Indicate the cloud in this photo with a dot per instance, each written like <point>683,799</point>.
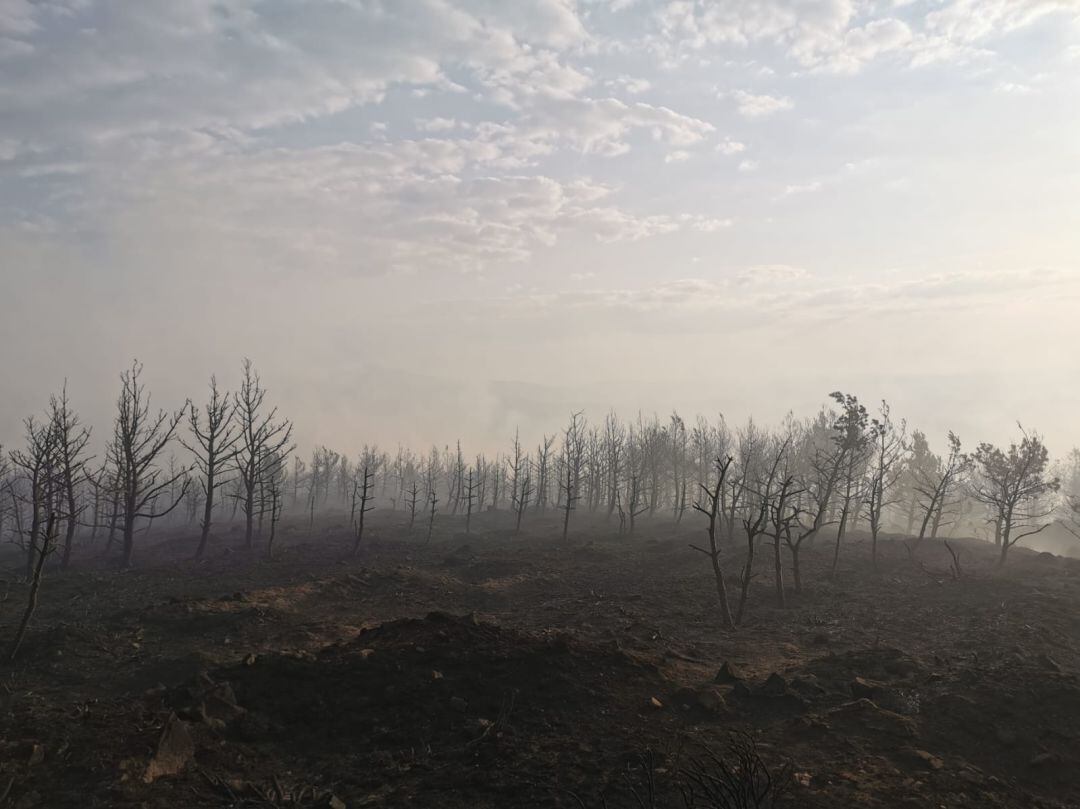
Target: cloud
<point>750,105</point>
<point>730,147</point>
<point>802,188</point>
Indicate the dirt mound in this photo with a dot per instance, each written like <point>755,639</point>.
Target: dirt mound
<point>420,706</point>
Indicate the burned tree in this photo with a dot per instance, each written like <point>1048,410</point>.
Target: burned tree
<point>524,494</point>
<point>261,437</point>
<point>783,516</point>
<point>757,523</point>
<point>139,437</point>
<point>711,510</point>
<point>1013,485</point>
<point>886,465</point>
<point>71,439</point>
<point>571,475</point>
<point>213,447</point>
<point>469,495</point>
<point>37,488</point>
<point>433,502</point>
<point>362,496</point>
<point>934,480</point>
<point>273,492</point>
<point>411,500</point>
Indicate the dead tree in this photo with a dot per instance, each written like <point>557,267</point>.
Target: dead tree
<point>414,495</point>
<point>750,441</point>
<point>886,465</point>
<point>711,510</point>
<point>261,437</point>
<point>1014,484</point>
<point>362,496</point>
<point>543,473</point>
<point>636,504</point>
<point>614,446</point>
<point>756,525</point>
<point>38,470</point>
<point>469,496</point>
<point>275,481</point>
<point>71,439</point>
<point>571,477</point>
<point>782,517</point>
<point>48,540</point>
<point>678,466</point>
<point>933,482</point>
<point>214,448</point>
<point>523,496</point>
<point>433,501</point>
<point>139,438</point>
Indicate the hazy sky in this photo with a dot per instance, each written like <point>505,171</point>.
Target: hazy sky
<point>432,218</point>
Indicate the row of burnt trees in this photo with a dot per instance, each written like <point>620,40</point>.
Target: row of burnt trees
<point>845,466</point>
<point>848,467</point>
<point>234,440</point>
<point>796,481</point>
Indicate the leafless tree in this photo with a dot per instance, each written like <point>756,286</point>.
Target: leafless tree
<point>934,481</point>
<point>411,500</point>
<point>433,502</point>
<point>711,510</point>
<point>262,437</point>
<point>139,437</point>
<point>470,498</point>
<point>571,476</point>
<point>71,439</point>
<point>783,517</point>
<point>362,497</point>
<point>755,525</point>
<point>275,480</point>
<point>889,446</point>
<point>213,447</point>
<point>524,494</point>
<point>543,472</point>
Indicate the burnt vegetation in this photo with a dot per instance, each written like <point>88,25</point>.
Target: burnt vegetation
<point>626,613</point>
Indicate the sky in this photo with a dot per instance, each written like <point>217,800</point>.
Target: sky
<point>431,219</point>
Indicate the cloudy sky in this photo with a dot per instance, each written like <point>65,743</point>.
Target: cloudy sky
<point>432,218</point>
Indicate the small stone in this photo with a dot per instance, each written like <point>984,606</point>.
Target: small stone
<point>436,675</point>
<point>775,686</point>
<point>711,700</point>
<point>728,674</point>
<point>931,761</point>
<point>863,689</point>
<point>249,659</point>
<point>655,703</point>
<point>37,755</point>
<point>175,748</point>
<point>366,654</point>
<point>1045,759</point>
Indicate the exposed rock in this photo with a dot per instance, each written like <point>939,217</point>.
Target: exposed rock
<point>175,749</point>
<point>37,755</point>
<point>862,715</point>
<point>929,759</point>
<point>1046,759</point>
<point>775,686</point>
<point>728,674</point>
<point>862,688</point>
